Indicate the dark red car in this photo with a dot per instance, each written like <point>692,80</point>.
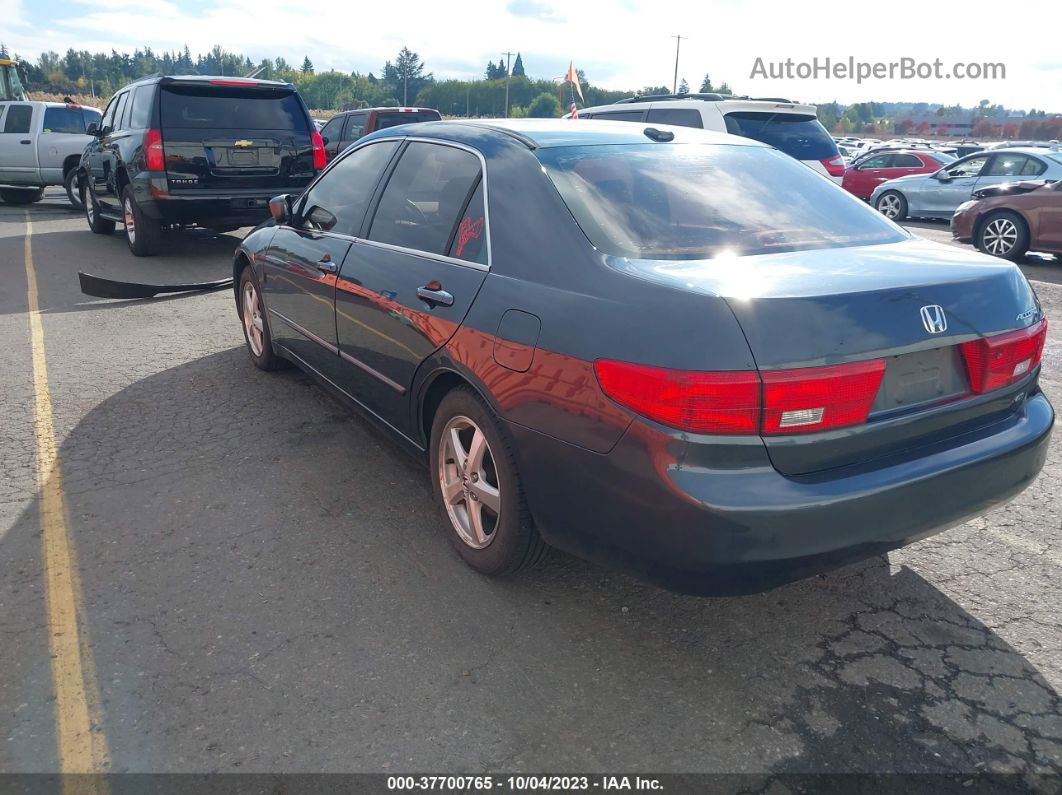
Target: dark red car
<point>862,179</point>
<point>343,129</point>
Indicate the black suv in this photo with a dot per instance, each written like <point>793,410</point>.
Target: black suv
<point>203,151</point>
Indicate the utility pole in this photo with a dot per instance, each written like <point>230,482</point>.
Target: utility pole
<point>678,43</point>
<point>405,87</point>
<point>468,100</point>
<point>508,76</point>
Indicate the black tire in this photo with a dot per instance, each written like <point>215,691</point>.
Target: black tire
<point>73,194</point>
<point>895,205</point>
<point>98,225</point>
<point>144,235</point>
<point>1003,234</point>
<point>514,543</point>
<point>21,195</point>
<point>266,358</point>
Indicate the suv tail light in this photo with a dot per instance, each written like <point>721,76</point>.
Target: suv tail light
<point>318,150</point>
<point>746,402</point>
<point>155,156</point>
<point>994,362</point>
<point>834,165</point>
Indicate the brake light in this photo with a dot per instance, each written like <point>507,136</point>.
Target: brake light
<point>153,151</point>
<point>994,362</point>
<point>819,398</point>
<point>318,149</point>
<point>834,165</point>
<point>721,403</point>
<point>773,402</point>
<point>236,82</point>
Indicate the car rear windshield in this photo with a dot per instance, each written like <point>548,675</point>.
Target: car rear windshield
<point>798,135</point>
<point>392,118</point>
<point>694,201</point>
<point>232,109</point>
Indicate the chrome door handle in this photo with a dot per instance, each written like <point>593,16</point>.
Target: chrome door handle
<point>439,296</point>
<point>325,265</point>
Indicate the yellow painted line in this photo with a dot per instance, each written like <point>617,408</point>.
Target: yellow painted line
<point>1038,550</point>
<point>81,743</point>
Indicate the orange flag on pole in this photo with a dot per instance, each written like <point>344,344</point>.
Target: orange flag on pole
<point>573,78</point>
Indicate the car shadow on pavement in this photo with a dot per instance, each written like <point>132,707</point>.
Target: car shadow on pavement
<point>268,587</point>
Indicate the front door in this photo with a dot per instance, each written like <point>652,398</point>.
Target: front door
<point>300,265</point>
<point>404,290</point>
<point>942,196</point>
<point>331,133</point>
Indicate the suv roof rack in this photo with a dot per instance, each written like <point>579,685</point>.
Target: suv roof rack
<point>704,97</point>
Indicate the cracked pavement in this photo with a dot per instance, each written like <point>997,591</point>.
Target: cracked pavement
<point>267,586</point>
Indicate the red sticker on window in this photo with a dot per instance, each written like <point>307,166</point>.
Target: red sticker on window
<point>466,231</point>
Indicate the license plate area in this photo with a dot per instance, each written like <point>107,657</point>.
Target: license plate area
<point>923,377</point>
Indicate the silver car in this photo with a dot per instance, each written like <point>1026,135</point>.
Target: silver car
<point>937,195</point>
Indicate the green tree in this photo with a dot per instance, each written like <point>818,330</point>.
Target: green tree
<point>724,89</point>
<point>706,85</point>
<point>518,67</point>
<point>544,106</point>
<point>307,65</point>
<point>3,50</point>
<point>406,75</point>
<point>684,87</point>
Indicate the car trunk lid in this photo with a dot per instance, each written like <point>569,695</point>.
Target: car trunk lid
<point>910,304</point>
<point>234,137</point>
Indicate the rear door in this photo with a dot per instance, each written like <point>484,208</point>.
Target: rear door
<point>405,289</point>
<point>300,264</point>
<point>224,137</point>
<point>18,155</point>
<point>1009,167</point>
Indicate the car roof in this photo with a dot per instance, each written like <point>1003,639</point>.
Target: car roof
<point>401,109</point>
<point>727,104</point>
<point>545,133</point>
<point>212,80</point>
<point>1024,150</point>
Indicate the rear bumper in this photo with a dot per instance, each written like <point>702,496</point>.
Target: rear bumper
<point>243,207</point>
<point>708,531</point>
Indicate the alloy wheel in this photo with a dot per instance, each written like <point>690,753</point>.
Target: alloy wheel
<point>1000,236</point>
<point>889,205</point>
<point>90,207</point>
<point>252,318</point>
<point>469,481</point>
<point>130,220</point>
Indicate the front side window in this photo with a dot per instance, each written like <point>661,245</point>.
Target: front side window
<point>108,114</point>
<point>425,197</point>
<point>967,168</point>
<point>333,129</point>
<point>685,201</point>
<point>18,119</point>
<point>355,127</point>
<point>338,201</point>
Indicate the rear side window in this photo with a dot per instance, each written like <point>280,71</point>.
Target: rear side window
<point>906,161</point>
<point>64,120</point>
<point>1033,168</point>
<point>1006,166</point>
<point>701,201</point>
<point>191,107</point>
<point>683,117</point>
<point>140,115</point>
<point>426,195</point>
<point>798,135</point>
<point>621,115</point>
<point>338,201</point>
<point>18,118</point>
<point>392,118</point>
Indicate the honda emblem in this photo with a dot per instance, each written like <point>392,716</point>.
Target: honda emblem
<point>933,319</point>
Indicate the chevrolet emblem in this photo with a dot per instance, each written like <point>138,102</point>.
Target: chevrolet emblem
<point>243,143</point>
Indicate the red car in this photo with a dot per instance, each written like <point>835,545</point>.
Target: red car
<point>862,179</point>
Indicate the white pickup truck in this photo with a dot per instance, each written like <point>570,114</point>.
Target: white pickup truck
<point>40,145</point>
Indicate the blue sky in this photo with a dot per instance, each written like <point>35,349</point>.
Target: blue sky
<point>619,43</point>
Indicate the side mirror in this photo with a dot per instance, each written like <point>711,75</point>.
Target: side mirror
<point>280,208</point>
<point>92,128</point>
<point>942,176</point>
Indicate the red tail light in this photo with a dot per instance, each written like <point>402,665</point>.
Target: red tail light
<point>156,157</point>
<point>790,401</point>
<point>834,166</point>
<point>722,403</point>
<point>994,362</point>
<point>819,398</point>
<point>318,149</point>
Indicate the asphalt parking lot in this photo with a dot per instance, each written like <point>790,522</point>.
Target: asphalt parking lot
<point>263,583</point>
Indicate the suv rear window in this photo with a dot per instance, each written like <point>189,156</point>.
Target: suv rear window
<point>197,107</point>
<point>691,201</point>
<point>798,135</point>
<point>389,118</point>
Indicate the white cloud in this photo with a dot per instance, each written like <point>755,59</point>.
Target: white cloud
<point>621,45</point>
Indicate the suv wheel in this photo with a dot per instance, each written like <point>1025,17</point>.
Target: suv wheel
<point>1004,234</point>
<point>892,205</point>
<point>143,235</point>
<point>100,226</point>
<point>476,483</point>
